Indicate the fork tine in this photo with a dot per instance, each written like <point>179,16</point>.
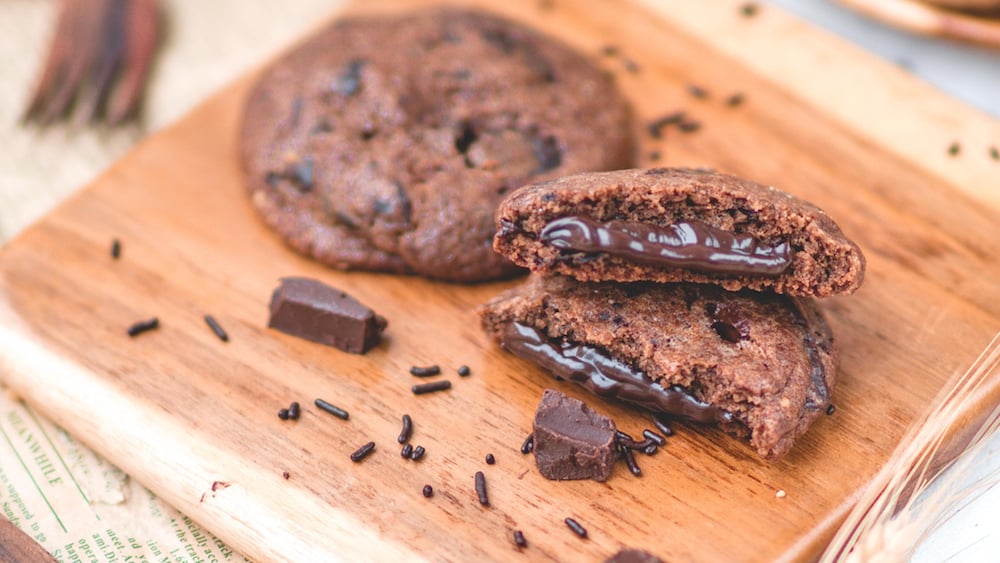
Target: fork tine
<point>86,38</point>
<point>141,38</point>
<point>110,55</point>
<point>54,68</point>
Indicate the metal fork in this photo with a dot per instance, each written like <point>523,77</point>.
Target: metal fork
<point>97,62</point>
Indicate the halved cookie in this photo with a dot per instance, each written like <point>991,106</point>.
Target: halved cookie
<point>759,365</point>
<point>677,224</point>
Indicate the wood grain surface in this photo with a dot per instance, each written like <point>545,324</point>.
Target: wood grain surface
<point>195,419</point>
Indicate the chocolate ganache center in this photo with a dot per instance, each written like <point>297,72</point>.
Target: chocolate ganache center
<point>689,244</point>
<point>605,376</point>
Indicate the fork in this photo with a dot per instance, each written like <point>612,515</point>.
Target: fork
<point>98,62</point>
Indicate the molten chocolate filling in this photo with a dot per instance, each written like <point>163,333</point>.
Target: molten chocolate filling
<point>689,244</point>
<point>605,376</point>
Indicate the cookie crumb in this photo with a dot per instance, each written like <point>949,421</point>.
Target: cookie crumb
<point>780,493</point>
<point>285,475</point>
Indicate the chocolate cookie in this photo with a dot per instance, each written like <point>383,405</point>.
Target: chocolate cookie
<point>758,365</point>
<point>677,224</point>
<point>386,143</point>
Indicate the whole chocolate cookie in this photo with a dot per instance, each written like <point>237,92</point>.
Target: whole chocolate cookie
<point>677,224</point>
<point>385,143</point>
<point>758,365</point>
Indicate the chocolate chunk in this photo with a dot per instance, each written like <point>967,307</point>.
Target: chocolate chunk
<point>348,83</point>
<point>572,441</point>
<point>314,311</point>
<point>633,556</point>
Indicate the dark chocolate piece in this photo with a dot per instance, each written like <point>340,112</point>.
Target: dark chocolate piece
<point>407,429</point>
<point>314,311</point>
<point>143,326</point>
<point>576,527</point>
<point>633,556</point>
<point>426,371</point>
<point>363,452</point>
<point>116,249</point>
<point>572,441</point>
<point>464,371</point>
<point>332,409</point>
<point>606,376</point>
<point>431,387</point>
<point>519,539</point>
<point>428,491</point>
<point>216,328</point>
<point>484,499</point>
<point>689,244</point>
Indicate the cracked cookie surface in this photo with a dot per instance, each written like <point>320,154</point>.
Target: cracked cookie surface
<point>385,143</point>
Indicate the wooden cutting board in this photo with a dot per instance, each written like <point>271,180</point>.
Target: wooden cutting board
<point>195,419</point>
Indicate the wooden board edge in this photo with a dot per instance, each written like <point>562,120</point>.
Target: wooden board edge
<point>888,106</point>
<point>207,493</point>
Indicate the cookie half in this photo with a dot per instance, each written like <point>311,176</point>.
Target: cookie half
<point>385,143</point>
<point>759,365</point>
<point>677,224</point>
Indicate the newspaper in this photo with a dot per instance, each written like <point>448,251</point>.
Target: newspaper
<point>81,508</point>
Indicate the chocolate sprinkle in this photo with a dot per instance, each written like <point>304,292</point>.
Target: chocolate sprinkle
<point>143,326</point>
<point>116,248</point>
<point>689,126</point>
<point>283,414</point>
<point>655,127</point>
<point>407,430</point>
<point>490,460</point>
<point>427,371</point>
<point>519,539</point>
<point>994,153</point>
<point>285,475</point>
<point>697,91</point>
<point>216,328</point>
<point>464,371</point>
<point>954,149</point>
<point>431,387</point>
<point>630,462</point>
<point>294,410</point>
<point>363,452</point>
<point>332,409</point>
<point>418,452</point>
<point>650,449</point>
<point>529,444</point>
<point>663,426</point>
<point>609,50</point>
<point>656,438</point>
<point>735,100</point>
<point>749,9</point>
<point>484,499</point>
<point>830,409</point>
<point>576,527</point>
<point>630,65</point>
<point>428,491</point>
<point>406,451</point>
